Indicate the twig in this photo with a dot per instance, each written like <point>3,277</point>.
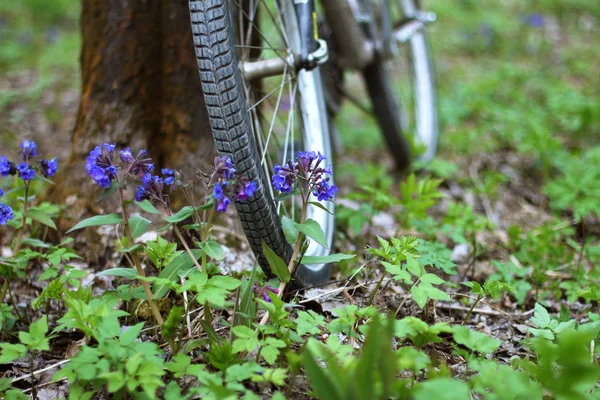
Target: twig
<point>34,373</point>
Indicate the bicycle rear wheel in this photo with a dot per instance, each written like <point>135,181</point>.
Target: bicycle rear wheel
<point>260,123</point>
<point>402,90</point>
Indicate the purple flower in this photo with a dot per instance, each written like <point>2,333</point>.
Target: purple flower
<point>142,164</point>
<point>218,191</point>
<point>6,213</point>
<point>222,204</point>
<point>224,168</point>
<point>264,292</point>
<point>126,155</point>
<point>28,149</point>
<point>110,148</point>
<point>49,167</point>
<point>141,193</point>
<point>25,171</point>
<point>283,177</point>
<point>246,191</point>
<point>100,167</point>
<point>1,192</point>
<point>324,191</point>
<point>168,176</point>
<point>535,19</point>
<point>6,167</point>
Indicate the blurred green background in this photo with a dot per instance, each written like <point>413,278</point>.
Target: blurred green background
<point>511,74</point>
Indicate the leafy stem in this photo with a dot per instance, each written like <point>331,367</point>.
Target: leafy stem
<point>136,261</point>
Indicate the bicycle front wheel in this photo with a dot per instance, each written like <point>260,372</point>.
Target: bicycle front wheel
<point>262,122</point>
<point>401,88</point>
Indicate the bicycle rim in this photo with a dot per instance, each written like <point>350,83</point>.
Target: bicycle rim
<point>287,112</point>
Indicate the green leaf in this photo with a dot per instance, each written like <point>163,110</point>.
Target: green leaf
<point>327,259</point>
<point>212,249</point>
<point>138,225</point>
<point>321,383</point>
<point>289,229</point>
<point>540,318</point>
<point>475,341</point>
<point>181,265</point>
<point>36,243</point>
<point>182,214</point>
<point>11,352</point>
<point>319,205</point>
<point>36,338</point>
<point>278,266</point>
<point>312,229</point>
<point>129,273</point>
<point>131,334</point>
<point>41,217</point>
<point>147,206</point>
<point>308,322</point>
<point>442,388</point>
<point>109,219</point>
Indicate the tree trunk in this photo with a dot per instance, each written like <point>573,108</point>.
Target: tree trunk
<point>140,88</point>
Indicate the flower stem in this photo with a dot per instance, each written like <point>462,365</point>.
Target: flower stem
<point>23,221</point>
<point>137,263</point>
<point>5,288</point>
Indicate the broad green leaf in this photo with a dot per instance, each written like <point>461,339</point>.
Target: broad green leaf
<point>212,249</point>
<point>11,352</point>
<point>278,266</point>
<point>289,229</point>
<point>109,219</point>
<point>442,388</point>
<point>129,273</point>
<point>327,259</point>
<point>540,318</point>
<point>181,265</point>
<point>41,217</point>
<point>308,322</point>
<point>475,341</point>
<point>182,214</point>
<point>312,229</point>
<point>147,206</point>
<point>138,225</point>
<point>36,338</point>
<point>244,332</point>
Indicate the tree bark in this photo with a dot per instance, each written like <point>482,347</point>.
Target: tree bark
<point>140,88</point>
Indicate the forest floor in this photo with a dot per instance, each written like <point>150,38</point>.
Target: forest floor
<point>514,195</point>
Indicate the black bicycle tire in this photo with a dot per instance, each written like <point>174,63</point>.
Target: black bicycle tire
<point>386,108</point>
<point>222,87</point>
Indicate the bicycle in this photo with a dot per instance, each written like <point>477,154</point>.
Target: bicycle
<point>259,65</point>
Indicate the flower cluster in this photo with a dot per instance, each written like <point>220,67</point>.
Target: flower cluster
<point>536,20</point>
<point>228,184</point>
<point>100,164</point>
<point>6,212</point>
<point>264,292</point>
<point>307,172</point>
<point>26,170</point>
<point>103,166</point>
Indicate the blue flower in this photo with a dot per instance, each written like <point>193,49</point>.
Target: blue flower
<point>247,190</point>
<point>141,193</point>
<point>6,213</point>
<point>169,176</point>
<point>126,156</point>
<point>324,191</point>
<point>283,177</point>
<point>1,192</point>
<point>222,204</point>
<point>49,167</point>
<point>29,149</point>
<point>142,164</point>
<point>218,191</point>
<point>224,168</point>
<point>25,171</point>
<point>100,167</point>
<point>536,20</point>
<point>110,147</point>
<point>5,167</point>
